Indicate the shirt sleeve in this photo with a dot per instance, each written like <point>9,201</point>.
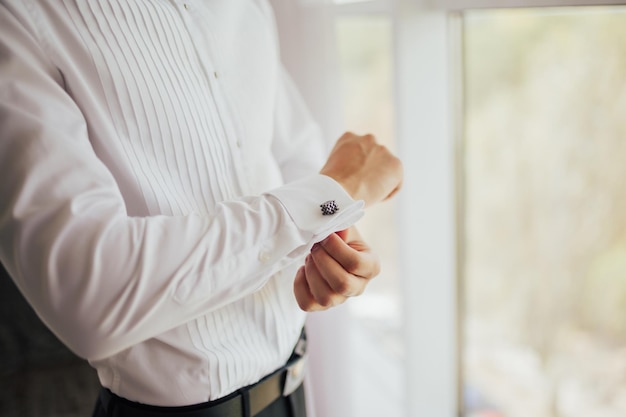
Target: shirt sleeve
<point>100,279</point>
<point>298,145</point>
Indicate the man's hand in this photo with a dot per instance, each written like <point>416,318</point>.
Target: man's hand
<point>338,267</point>
<point>364,168</point>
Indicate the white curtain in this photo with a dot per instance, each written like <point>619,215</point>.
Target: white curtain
<point>306,30</point>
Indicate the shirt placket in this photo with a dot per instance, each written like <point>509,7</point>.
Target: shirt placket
<point>204,45</point>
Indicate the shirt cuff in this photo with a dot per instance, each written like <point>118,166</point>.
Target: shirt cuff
<point>302,199</point>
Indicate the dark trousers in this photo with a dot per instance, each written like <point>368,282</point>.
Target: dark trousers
<point>291,406</point>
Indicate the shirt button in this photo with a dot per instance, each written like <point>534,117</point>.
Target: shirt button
<point>238,143</point>
<point>215,75</point>
<point>186,6</point>
<point>264,257</point>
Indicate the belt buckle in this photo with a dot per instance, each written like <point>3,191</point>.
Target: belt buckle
<point>295,376</point>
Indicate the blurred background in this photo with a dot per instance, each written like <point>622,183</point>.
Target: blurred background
<point>503,290</point>
<point>544,326</point>
<point>541,204</point>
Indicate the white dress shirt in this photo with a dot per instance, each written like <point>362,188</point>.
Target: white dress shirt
<point>158,188</point>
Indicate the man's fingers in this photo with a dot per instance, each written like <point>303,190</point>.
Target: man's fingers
<point>312,292</point>
<point>337,268</point>
<point>335,275</point>
<point>319,286</point>
<point>394,192</point>
<point>355,257</point>
<point>303,295</point>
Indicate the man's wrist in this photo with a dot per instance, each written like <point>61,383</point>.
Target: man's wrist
<point>351,188</point>
<point>302,199</point>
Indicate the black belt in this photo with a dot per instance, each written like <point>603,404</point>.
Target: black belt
<point>248,401</point>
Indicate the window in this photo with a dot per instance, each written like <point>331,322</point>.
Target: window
<point>544,277</point>
<point>511,250</point>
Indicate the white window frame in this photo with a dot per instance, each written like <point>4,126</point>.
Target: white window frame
<point>427,209</point>
<point>428,99</point>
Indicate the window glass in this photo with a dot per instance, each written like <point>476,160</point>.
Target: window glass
<point>544,223</point>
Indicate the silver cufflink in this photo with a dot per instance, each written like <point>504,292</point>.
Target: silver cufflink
<point>330,207</point>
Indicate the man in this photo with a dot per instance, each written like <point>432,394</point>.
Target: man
<point>162,206</point>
